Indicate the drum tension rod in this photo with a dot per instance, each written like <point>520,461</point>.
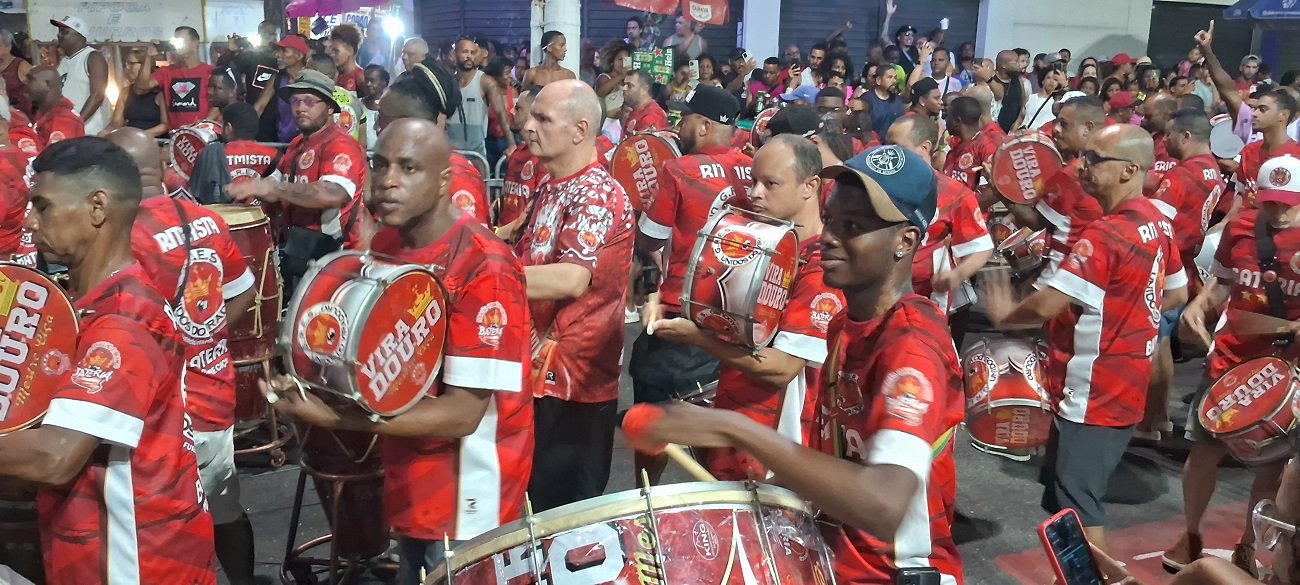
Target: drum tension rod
<point>534,547</point>
<point>654,528</point>
<point>446,556</point>
<point>761,514</point>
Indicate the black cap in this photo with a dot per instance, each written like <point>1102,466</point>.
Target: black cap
<point>737,53</point>
<point>905,28</point>
<point>800,119</point>
<point>926,85</point>
<point>710,101</point>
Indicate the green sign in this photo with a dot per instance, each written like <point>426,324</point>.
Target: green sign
<point>659,63</point>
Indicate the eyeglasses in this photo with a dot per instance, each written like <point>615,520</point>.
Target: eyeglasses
<point>304,100</point>
<point>1092,157</point>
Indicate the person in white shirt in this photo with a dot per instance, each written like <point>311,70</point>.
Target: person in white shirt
<point>85,74</point>
<point>1038,110</point>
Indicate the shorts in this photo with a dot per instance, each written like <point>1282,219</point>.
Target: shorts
<point>1080,460</point>
<point>216,454</point>
<point>1169,322</point>
<point>662,370</point>
<point>1194,431</point>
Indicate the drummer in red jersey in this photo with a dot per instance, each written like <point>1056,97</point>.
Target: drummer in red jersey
<point>711,175</point>
<point>1270,116</point>
<point>1157,110</point>
<point>957,243</point>
<point>577,251</point>
<point>1240,286</point>
<point>1104,303</point>
<point>977,139</point>
<point>57,119</point>
<point>187,252</point>
<point>777,385</point>
<point>646,115</point>
<point>120,492</point>
<point>245,157</point>
<point>881,470</point>
<point>523,172</point>
<point>457,463</point>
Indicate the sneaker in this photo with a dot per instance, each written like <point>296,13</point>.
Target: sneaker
<point>1146,436</point>
<point>631,316</point>
<point>1186,550</point>
<point>1243,557</point>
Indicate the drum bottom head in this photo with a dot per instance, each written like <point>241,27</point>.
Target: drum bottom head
<point>1016,429</point>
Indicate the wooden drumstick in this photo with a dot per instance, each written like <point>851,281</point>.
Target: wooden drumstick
<point>684,459</point>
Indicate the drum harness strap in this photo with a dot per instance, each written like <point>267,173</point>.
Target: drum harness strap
<point>1266,248</point>
<point>179,297</point>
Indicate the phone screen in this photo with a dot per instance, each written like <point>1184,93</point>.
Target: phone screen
<point>1063,536</point>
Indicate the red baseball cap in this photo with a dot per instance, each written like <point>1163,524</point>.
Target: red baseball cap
<point>1122,100</point>
<point>1279,181</point>
<point>294,42</point>
<point>1122,59</point>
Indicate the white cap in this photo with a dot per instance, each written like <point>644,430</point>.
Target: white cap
<point>1069,95</point>
<point>1279,181</point>
<point>73,23</point>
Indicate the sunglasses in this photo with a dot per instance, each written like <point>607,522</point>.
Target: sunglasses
<point>1092,157</point>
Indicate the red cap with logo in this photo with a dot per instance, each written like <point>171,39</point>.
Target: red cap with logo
<point>294,42</point>
<point>1122,59</point>
<point>1279,181</point>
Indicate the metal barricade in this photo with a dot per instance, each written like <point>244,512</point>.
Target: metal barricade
<point>491,180</point>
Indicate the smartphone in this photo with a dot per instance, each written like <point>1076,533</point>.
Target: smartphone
<point>746,57</point>
<point>918,576</point>
<point>695,68</point>
<point>627,62</point>
<point>1067,548</point>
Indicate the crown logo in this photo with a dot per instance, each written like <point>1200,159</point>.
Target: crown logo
<point>99,360</point>
<point>422,301</point>
<point>8,291</point>
<point>197,289</point>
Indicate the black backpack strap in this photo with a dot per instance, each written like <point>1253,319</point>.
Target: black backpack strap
<point>1266,248</point>
<point>185,266</point>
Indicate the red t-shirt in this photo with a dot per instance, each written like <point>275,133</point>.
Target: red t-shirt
<point>1162,165</point>
<point>247,160</point>
<point>647,117</point>
<point>1069,209</point>
<point>967,158</point>
<point>329,155</point>
<point>60,122</point>
<point>353,81</point>
<point>893,396</point>
<point>583,219</point>
<point>22,136</point>
<point>13,201</point>
<point>958,230</point>
<point>691,190</point>
<point>216,272</point>
<point>1116,273</point>
<point>464,487</point>
<point>523,171</point>
<point>1236,264</point>
<point>604,150</point>
<point>136,510</point>
<point>468,191</point>
<point>1253,157</point>
<point>1187,196</point>
<point>185,93</point>
<point>802,334</point>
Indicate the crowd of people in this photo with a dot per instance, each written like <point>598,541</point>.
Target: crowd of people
<point>886,174</point>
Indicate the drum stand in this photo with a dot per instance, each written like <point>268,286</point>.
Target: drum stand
<point>280,435</point>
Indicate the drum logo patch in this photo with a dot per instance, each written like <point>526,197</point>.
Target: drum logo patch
<point>55,363</point>
<point>735,246</point>
<point>705,539</point>
<point>99,364</point>
<point>491,323</point>
<point>908,395</point>
<point>824,307</point>
<point>1239,392</point>
<point>321,333</point>
<point>981,376</point>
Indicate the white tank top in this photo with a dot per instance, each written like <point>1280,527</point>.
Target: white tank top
<point>467,128</point>
<point>76,87</point>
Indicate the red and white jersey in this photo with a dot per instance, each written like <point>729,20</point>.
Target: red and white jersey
<point>645,118</point>
<point>691,190</point>
<point>328,155</point>
<point>802,334</point>
<point>136,511</point>
<point>23,136</point>
<point>1236,265</point>
<point>1101,352</point>
<point>14,198</point>
<point>1187,195</point>
<point>1163,162</point>
<point>583,219</point>
<point>60,122</point>
<point>468,191</point>
<point>967,159</point>
<point>247,160</point>
<point>523,171</point>
<point>202,269</point>
<point>1253,157</point>
<point>893,395</point>
<point>1069,209</point>
<point>958,230</point>
<point>464,487</point>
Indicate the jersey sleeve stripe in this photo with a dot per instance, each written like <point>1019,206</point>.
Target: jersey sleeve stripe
<point>1168,210</point>
<point>238,286</point>
<point>96,420</point>
<point>1061,222</point>
<point>1176,280</point>
<point>983,243</point>
<point>654,230</point>
<point>893,447</point>
<point>1223,272</point>
<point>805,347</point>
<point>344,182</point>
<point>483,373</point>
<point>1085,292</point>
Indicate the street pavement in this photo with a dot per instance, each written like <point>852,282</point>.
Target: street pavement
<point>997,500</point>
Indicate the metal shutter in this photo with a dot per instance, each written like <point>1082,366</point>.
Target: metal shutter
<point>1173,24</point>
<point>805,22</point>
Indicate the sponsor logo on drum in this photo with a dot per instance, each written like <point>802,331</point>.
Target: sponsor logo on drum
<point>775,290</point>
<point>186,147</point>
<point>705,540</point>
<point>97,366</point>
<point>824,307</point>
<point>321,334</point>
<point>1013,426</point>
<point>1242,394</point>
<point>1025,165</point>
<point>645,173</point>
<point>907,395</point>
<point>386,361</point>
<point>491,323</point>
<point>24,328</point>
<point>982,375</point>
<point>55,363</point>
<point>735,245</point>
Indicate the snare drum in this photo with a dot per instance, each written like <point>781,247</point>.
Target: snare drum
<point>367,329</point>
<point>1251,410</point>
<point>637,162</point>
<point>1008,407</point>
<point>252,337</point>
<point>188,142</point>
<point>720,532</point>
<point>1224,143</point>
<point>1024,251</point>
<point>38,327</point>
<point>759,135</point>
<point>739,277</point>
<point>1024,162</point>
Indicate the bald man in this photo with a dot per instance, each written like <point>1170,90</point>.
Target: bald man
<point>187,251</point>
<point>414,52</point>
<point>1124,270</point>
<point>1156,112</point>
<point>56,118</point>
<point>577,252</point>
<point>450,467</point>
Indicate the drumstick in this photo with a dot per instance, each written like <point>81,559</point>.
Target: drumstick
<point>688,463</point>
<point>636,423</point>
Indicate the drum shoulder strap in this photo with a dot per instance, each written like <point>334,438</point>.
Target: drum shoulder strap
<point>1266,248</point>
<point>178,296</point>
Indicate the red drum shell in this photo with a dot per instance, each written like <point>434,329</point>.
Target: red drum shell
<point>1024,162</point>
<point>759,134</point>
<point>252,339</point>
<point>1008,407</point>
<point>38,318</point>
<point>1025,251</point>
<point>637,162</point>
<point>188,142</point>
<point>1250,410</point>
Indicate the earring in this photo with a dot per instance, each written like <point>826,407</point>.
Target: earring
<point>898,255</point>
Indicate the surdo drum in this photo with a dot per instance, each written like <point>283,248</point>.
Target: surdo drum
<point>1251,410</point>
<point>188,142</point>
<point>759,135</point>
<point>1024,162</point>
<point>722,532</point>
<point>739,277</point>
<point>637,162</point>
<point>38,339</point>
<point>1008,407</point>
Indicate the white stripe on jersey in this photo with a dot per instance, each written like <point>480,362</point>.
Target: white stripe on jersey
<point>1078,371</point>
<point>478,481</point>
<point>123,558</point>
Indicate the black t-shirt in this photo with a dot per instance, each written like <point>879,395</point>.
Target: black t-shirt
<point>256,69</point>
<point>883,112</point>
